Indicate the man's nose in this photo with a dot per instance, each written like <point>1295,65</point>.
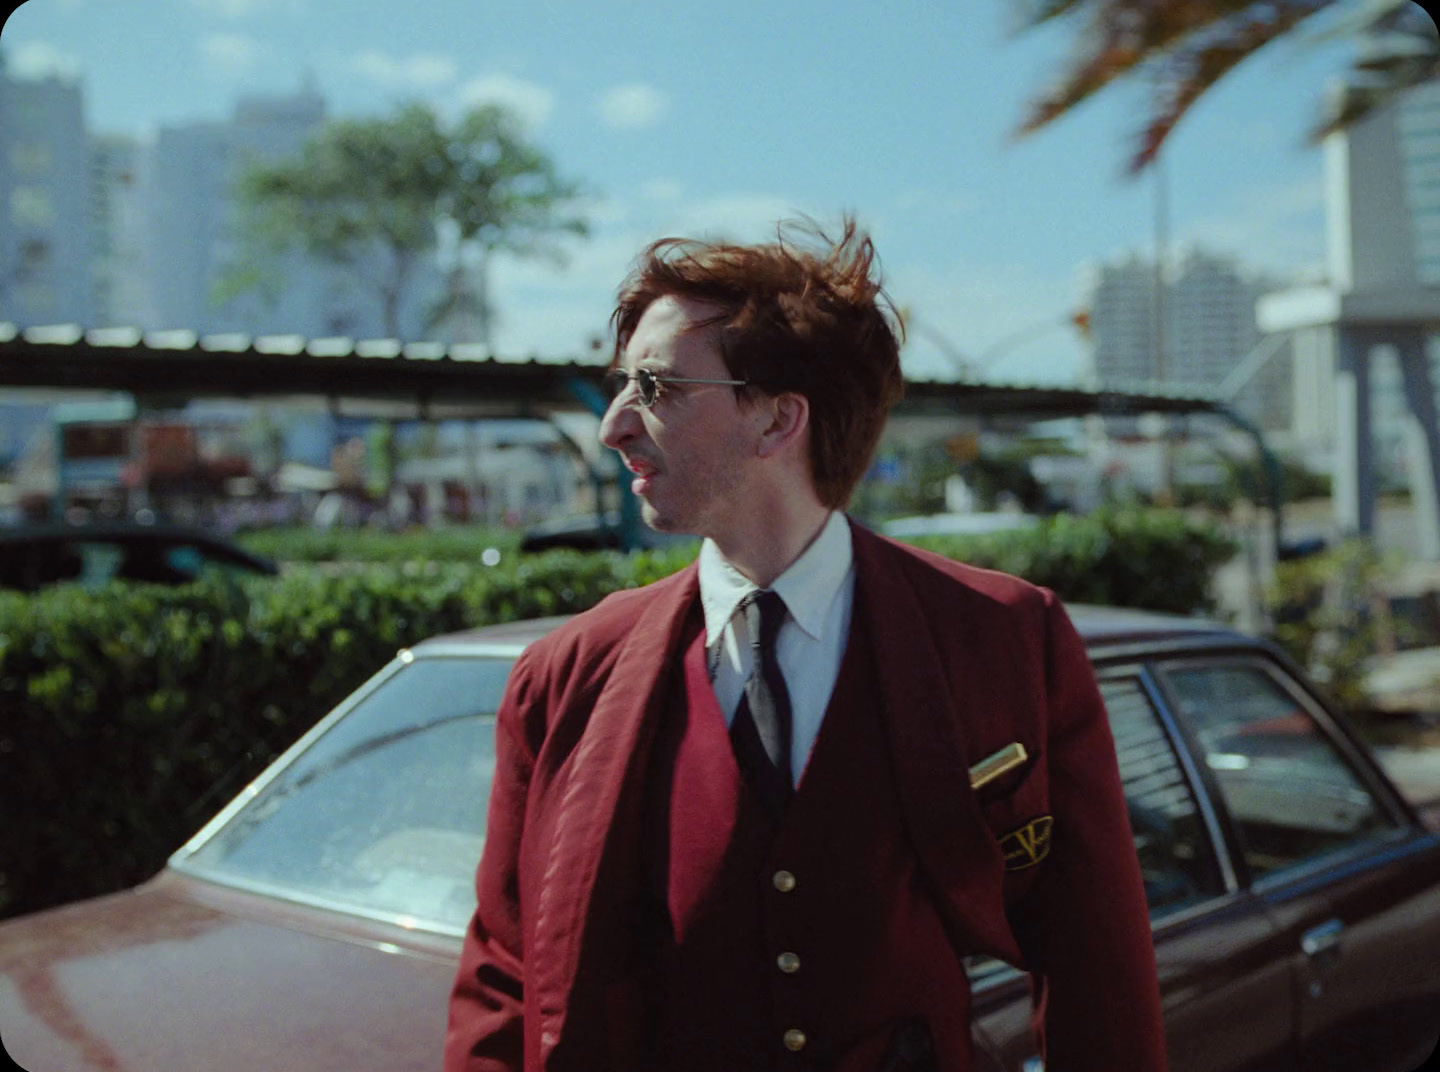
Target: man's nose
<point>621,421</point>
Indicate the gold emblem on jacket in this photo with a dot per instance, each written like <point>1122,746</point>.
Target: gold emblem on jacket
<point>1027,846</point>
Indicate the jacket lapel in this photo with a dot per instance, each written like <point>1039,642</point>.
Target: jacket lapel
<point>598,809</point>
<point>926,722</point>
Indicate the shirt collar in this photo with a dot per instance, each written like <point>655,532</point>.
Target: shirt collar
<point>807,587</point>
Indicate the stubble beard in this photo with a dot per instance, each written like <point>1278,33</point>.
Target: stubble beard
<point>711,501</point>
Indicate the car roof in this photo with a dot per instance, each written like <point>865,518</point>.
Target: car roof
<point>1103,628</point>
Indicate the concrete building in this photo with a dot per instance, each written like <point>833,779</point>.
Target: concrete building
<point>46,203</point>
<point>191,221</point>
<point>121,296</point>
<point>1369,331</point>
<point>193,234</point>
<point>1208,303</point>
<point>1121,298</point>
<point>184,192</point>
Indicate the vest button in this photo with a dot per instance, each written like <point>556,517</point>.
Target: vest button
<point>784,881</point>
<point>795,1040</point>
<point>789,963</point>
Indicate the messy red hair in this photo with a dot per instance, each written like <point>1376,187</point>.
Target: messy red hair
<point>809,317</point>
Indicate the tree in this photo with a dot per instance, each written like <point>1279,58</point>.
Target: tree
<point>1186,46</point>
<point>375,196</point>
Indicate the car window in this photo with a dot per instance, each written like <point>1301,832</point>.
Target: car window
<point>384,813</point>
<point>1177,857</point>
<point>1291,794</point>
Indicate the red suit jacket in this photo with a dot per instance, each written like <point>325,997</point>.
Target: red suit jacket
<point>970,661</point>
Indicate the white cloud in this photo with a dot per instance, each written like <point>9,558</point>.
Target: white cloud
<point>36,59</point>
<point>230,54</point>
<point>420,70</point>
<point>531,102</point>
<point>631,106</point>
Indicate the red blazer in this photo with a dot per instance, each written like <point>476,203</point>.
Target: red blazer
<point>970,661</point>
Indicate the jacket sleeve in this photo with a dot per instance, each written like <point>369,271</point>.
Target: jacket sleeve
<point>486,1027</point>
<point>1084,925</point>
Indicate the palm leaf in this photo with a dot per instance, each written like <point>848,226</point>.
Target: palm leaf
<point>1187,44</point>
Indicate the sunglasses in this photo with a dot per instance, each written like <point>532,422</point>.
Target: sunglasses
<point>648,384</point>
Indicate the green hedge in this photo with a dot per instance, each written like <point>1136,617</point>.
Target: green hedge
<point>129,715</point>
<point>1160,560</point>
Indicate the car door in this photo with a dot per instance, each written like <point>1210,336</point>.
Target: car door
<point>1350,879</point>
<point>1224,977</point>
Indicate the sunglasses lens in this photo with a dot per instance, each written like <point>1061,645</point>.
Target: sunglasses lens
<point>647,387</point>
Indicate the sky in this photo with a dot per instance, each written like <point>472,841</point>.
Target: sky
<point>719,119</point>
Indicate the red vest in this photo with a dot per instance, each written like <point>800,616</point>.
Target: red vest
<point>816,934</point>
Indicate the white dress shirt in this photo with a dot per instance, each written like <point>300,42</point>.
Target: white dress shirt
<point>819,594</point>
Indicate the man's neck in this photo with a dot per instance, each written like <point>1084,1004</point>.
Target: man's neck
<point>765,551</point>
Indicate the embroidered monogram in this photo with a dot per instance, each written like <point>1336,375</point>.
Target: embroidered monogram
<point>1027,846</point>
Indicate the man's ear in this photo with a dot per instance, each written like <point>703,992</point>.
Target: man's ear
<point>788,421</point>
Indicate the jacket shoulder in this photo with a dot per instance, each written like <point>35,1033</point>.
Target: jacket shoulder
<point>591,638</point>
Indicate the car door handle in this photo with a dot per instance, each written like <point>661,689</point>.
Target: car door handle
<point>1320,939</point>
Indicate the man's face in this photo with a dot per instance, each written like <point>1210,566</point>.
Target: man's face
<point>692,451</point>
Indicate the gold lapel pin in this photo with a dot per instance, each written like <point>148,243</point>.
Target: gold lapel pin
<point>1002,762</point>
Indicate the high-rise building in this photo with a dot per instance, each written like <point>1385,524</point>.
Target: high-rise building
<point>194,234</point>
<point>1121,298</point>
<point>46,203</point>
<point>185,194</point>
<point>1212,320</point>
<point>121,296</point>
<point>1208,304</point>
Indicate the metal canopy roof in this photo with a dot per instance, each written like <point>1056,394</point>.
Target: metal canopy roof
<point>181,363</point>
<point>388,378</point>
<point>440,380</point>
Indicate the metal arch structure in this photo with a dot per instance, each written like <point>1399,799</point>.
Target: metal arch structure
<point>387,378</point>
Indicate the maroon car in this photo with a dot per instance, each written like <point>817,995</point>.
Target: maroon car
<point>315,923</point>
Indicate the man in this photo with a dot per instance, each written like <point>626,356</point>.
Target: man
<point>732,825</point>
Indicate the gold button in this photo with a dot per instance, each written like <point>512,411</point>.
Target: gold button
<point>789,963</point>
<point>784,881</point>
<point>795,1040</point>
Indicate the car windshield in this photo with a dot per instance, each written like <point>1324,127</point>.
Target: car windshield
<point>384,813</point>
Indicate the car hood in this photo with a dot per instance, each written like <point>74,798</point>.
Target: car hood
<point>180,974</point>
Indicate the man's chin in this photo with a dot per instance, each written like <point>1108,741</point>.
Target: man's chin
<point>661,522</point>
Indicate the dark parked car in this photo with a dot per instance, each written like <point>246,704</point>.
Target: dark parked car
<point>34,556</point>
<point>314,924</point>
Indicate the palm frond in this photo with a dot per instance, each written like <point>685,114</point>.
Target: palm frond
<point>1181,40</point>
